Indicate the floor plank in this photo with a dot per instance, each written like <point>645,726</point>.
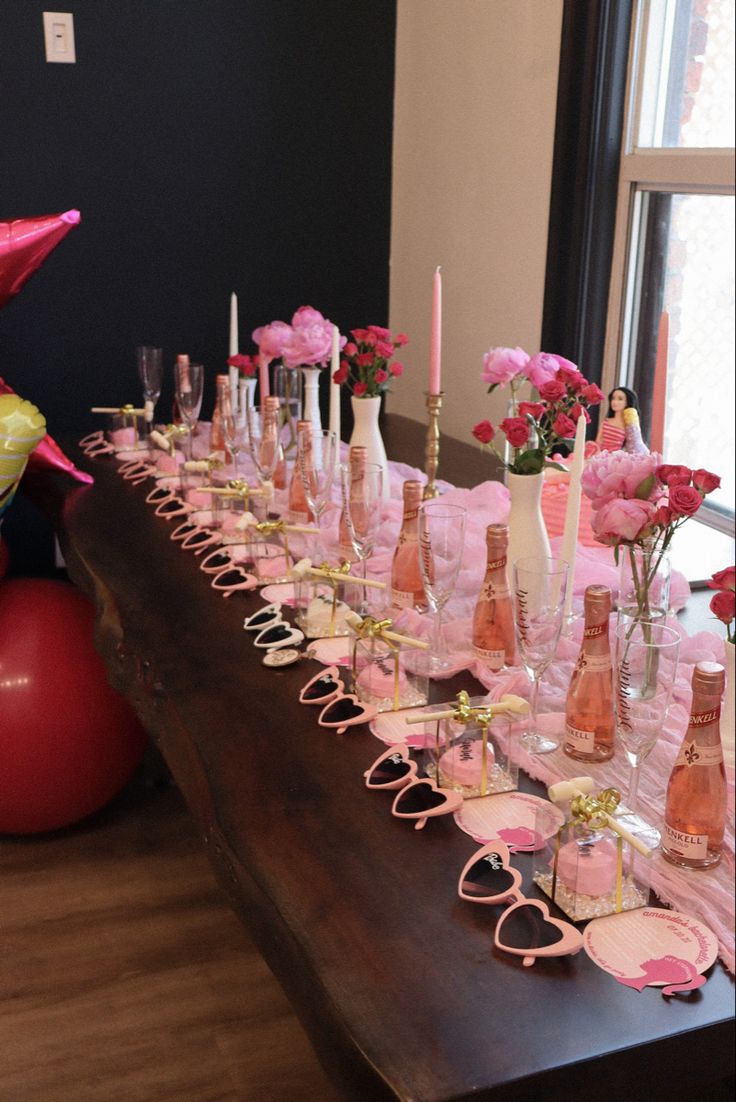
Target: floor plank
<point>125,975</point>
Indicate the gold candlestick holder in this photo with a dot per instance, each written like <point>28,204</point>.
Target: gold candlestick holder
<point>432,446</point>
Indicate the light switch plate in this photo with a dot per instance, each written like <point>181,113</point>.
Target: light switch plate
<point>58,33</point>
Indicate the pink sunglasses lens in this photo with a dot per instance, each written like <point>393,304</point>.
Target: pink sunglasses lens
<point>419,797</point>
<point>389,770</point>
<point>525,929</point>
<point>320,689</point>
<point>487,877</point>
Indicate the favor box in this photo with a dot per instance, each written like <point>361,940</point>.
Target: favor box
<point>388,675</point>
<point>470,758</point>
<point>320,612</point>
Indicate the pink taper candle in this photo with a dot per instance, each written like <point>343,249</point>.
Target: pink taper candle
<point>263,377</point>
<point>435,349</point>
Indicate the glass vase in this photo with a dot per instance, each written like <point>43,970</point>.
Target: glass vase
<point>644,582</point>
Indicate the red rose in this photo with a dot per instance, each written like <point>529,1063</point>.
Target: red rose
<point>384,349</point>
<point>578,411</point>
<point>563,426</point>
<point>359,389</point>
<point>350,348</point>
<point>535,410</point>
<point>674,475</point>
<point>552,391</point>
<point>400,340</point>
<point>365,359</point>
<point>396,369</point>
<point>361,335</point>
<point>592,394</point>
<point>723,605</point>
<point>571,377</point>
<point>662,517</point>
<point>341,374</point>
<point>517,431</point>
<point>705,481</point>
<point>484,431</point>
<point>684,500</point>
<point>724,579</point>
<point>381,333</point>
<point>381,376</point>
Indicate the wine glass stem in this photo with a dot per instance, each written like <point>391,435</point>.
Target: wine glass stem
<point>533,705</point>
<point>437,643</point>
<point>633,797</point>
<point>190,439</point>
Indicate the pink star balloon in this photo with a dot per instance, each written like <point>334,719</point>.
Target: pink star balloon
<point>24,245</point>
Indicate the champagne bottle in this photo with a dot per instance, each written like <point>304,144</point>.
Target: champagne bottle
<point>493,619</point>
<point>221,411</point>
<point>407,590</point>
<point>695,806</point>
<point>271,441</point>
<point>357,459</point>
<point>298,507</point>
<point>589,722</point>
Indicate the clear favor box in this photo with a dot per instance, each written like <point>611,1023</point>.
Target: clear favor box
<point>471,757</point>
<point>385,675</point>
<point>320,612</point>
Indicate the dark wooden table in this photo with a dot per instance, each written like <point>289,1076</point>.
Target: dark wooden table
<point>394,978</point>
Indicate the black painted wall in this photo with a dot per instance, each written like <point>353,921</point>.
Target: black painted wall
<point>211,146</point>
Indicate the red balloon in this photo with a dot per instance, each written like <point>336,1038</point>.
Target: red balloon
<point>24,245</point>
<point>68,741</point>
<point>4,557</point>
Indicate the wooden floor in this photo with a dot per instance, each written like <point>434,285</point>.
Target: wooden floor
<point>125,976</point>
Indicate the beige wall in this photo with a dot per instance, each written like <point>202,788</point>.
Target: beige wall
<point>476,84</point>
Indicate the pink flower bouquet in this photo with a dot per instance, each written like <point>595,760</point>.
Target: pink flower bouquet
<point>723,602</point>
<point>367,365</point>
<point>538,428</point>
<point>307,342</point>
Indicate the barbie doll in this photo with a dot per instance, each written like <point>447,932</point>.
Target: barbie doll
<point>612,431</point>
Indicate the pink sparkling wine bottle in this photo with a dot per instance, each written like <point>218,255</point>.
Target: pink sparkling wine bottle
<point>493,619</point>
<point>298,507</point>
<point>695,806</point>
<point>589,721</point>
<point>407,590</point>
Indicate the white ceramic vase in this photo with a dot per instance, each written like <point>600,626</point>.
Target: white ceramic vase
<point>728,721</point>
<point>527,530</point>
<point>311,412</point>
<point>367,434</point>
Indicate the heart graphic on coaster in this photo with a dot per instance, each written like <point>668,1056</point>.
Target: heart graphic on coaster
<point>344,712</point>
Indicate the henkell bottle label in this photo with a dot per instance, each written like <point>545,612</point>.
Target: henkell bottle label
<point>581,740</point>
<point>595,631</point>
<point>491,656</point>
<point>693,846</point>
<point>691,754</point>
<point>401,599</point>
<point>494,591</point>
<point>596,663</point>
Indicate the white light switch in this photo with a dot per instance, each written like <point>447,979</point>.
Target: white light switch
<point>58,32</point>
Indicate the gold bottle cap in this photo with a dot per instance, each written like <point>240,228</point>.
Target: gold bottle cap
<point>709,677</point>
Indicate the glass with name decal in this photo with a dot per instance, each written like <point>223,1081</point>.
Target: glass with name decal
<point>441,542</point>
<point>362,500</point>
<point>589,722</point>
<point>695,807</point>
<point>540,585</point>
<point>189,380</point>
<point>645,669</point>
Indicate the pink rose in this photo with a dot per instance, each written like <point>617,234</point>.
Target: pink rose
<point>723,605</point>
<point>592,394</point>
<point>671,475</point>
<point>381,376</point>
<point>563,426</point>
<point>724,579</point>
<point>619,474</point>
<point>705,481</point>
<point>541,369</point>
<point>397,369</point>
<point>271,339</point>
<point>622,520</point>
<point>384,349</point>
<point>381,333</point>
<point>535,410</point>
<point>516,430</point>
<point>552,390</point>
<point>307,315</point>
<point>501,365</point>
<point>684,500</point>
<point>359,389</point>
<point>484,431</point>
<point>400,340</point>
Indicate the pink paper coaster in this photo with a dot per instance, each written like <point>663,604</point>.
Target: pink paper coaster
<point>652,947</point>
<point>512,817</point>
<point>330,652</point>
<point>129,454</point>
<point>391,728</point>
<point>279,594</point>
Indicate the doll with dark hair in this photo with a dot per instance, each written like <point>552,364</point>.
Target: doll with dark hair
<point>623,414</point>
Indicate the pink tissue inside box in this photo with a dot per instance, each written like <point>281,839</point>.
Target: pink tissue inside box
<point>588,868</point>
<point>463,764</point>
<point>377,682</point>
<point>123,438</point>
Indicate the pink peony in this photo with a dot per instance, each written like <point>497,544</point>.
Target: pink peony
<point>307,315</point>
<point>724,579</point>
<point>622,520</point>
<point>563,426</point>
<point>552,390</point>
<point>684,500</point>
<point>484,431</point>
<point>705,481</point>
<point>271,339</point>
<point>723,605</point>
<point>541,369</point>
<point>517,431</point>
<point>501,365</point>
<point>619,474</point>
<point>674,475</point>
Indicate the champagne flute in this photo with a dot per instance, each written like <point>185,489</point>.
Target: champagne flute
<point>441,541</point>
<point>540,585</point>
<point>264,444</point>
<point>235,433</point>
<point>316,452</point>
<point>645,670</point>
<point>189,378</point>
<point>150,372</point>
<point>362,498</point>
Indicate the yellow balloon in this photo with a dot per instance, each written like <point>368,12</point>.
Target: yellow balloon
<point>22,427</point>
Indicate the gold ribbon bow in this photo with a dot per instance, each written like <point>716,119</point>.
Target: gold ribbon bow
<point>175,430</point>
<point>266,527</point>
<point>334,574</point>
<point>466,714</point>
<point>592,812</point>
<point>369,630</point>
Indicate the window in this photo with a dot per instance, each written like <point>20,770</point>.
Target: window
<point>673,261</point>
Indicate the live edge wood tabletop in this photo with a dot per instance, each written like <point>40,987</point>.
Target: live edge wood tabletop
<point>395,979</point>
